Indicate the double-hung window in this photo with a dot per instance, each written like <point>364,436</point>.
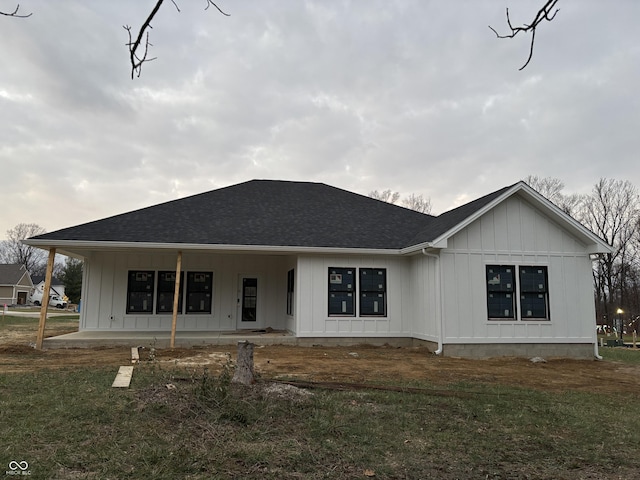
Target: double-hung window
<point>534,294</point>
<point>140,287</point>
<point>517,292</point>
<point>366,299</point>
<point>199,290</point>
<point>501,288</point>
<point>342,288</point>
<point>166,291</point>
<point>373,292</point>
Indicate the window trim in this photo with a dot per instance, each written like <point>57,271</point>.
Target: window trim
<point>184,293</point>
<point>544,291</point>
<point>171,292</point>
<point>151,294</point>
<point>357,292</point>
<point>506,290</point>
<point>380,291</point>
<point>517,293</point>
<point>349,291</point>
<point>188,291</point>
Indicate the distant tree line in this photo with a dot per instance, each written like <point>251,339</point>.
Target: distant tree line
<point>412,201</point>
<point>13,251</point>
<point>612,211</point>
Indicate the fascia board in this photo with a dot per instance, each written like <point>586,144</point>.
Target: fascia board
<point>107,246</point>
<point>440,245</point>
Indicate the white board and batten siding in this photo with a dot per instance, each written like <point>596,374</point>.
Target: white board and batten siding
<point>423,298</point>
<point>312,313</point>
<point>515,233</point>
<point>106,276</point>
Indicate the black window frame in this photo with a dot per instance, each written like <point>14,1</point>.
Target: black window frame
<point>534,290</point>
<point>525,288</point>
<point>500,283</point>
<point>341,300</point>
<point>138,288</point>
<point>168,288</point>
<point>196,291</point>
<point>372,292</point>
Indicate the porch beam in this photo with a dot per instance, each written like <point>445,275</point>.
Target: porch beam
<point>176,296</point>
<point>45,298</point>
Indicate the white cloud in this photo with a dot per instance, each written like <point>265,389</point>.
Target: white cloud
<point>415,96</point>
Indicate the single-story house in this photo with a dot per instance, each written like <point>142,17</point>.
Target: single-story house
<point>15,284</point>
<point>56,288</point>
<point>506,274</point>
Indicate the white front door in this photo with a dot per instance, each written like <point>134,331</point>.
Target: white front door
<point>248,314</point>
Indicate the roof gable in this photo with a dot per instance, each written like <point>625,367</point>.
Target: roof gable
<point>450,223</point>
<point>12,274</point>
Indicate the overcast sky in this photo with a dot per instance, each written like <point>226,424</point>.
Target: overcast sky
<point>416,96</point>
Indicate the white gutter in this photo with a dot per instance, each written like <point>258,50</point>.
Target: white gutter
<point>439,305</point>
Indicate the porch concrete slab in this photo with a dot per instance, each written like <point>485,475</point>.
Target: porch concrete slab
<point>89,339</point>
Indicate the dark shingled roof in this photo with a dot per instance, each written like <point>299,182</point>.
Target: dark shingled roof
<point>10,274</point>
<point>274,213</point>
<point>36,279</point>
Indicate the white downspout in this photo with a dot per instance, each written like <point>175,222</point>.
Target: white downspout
<point>439,300</point>
<point>596,353</point>
<point>595,350</point>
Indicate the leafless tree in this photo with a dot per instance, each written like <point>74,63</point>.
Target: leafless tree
<point>139,49</point>
<point>417,203</point>
<point>612,212</point>
<point>15,13</point>
<point>385,196</point>
<point>552,189</point>
<point>412,201</point>
<point>547,12</point>
<point>14,251</point>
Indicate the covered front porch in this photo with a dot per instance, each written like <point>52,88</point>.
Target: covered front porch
<point>162,339</point>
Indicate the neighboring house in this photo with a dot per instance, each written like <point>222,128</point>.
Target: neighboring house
<point>15,285</point>
<point>56,288</point>
<point>506,274</point>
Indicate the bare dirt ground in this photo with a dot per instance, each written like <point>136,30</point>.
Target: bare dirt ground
<point>358,364</point>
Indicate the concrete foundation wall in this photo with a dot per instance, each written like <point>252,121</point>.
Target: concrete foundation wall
<point>352,341</point>
<point>527,350</point>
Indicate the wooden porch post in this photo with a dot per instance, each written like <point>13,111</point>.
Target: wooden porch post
<point>176,296</point>
<point>45,298</point>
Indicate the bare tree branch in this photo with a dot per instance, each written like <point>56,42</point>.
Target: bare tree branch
<point>139,50</point>
<point>15,13</point>
<point>547,12</point>
<point>137,54</point>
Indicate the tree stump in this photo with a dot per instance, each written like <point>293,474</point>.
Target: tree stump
<point>244,366</point>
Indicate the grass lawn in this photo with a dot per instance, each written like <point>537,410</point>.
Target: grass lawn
<point>10,320</point>
<point>72,424</point>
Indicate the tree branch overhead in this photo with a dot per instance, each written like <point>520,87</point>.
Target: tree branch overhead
<point>547,12</point>
<point>15,13</point>
<point>139,49</point>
